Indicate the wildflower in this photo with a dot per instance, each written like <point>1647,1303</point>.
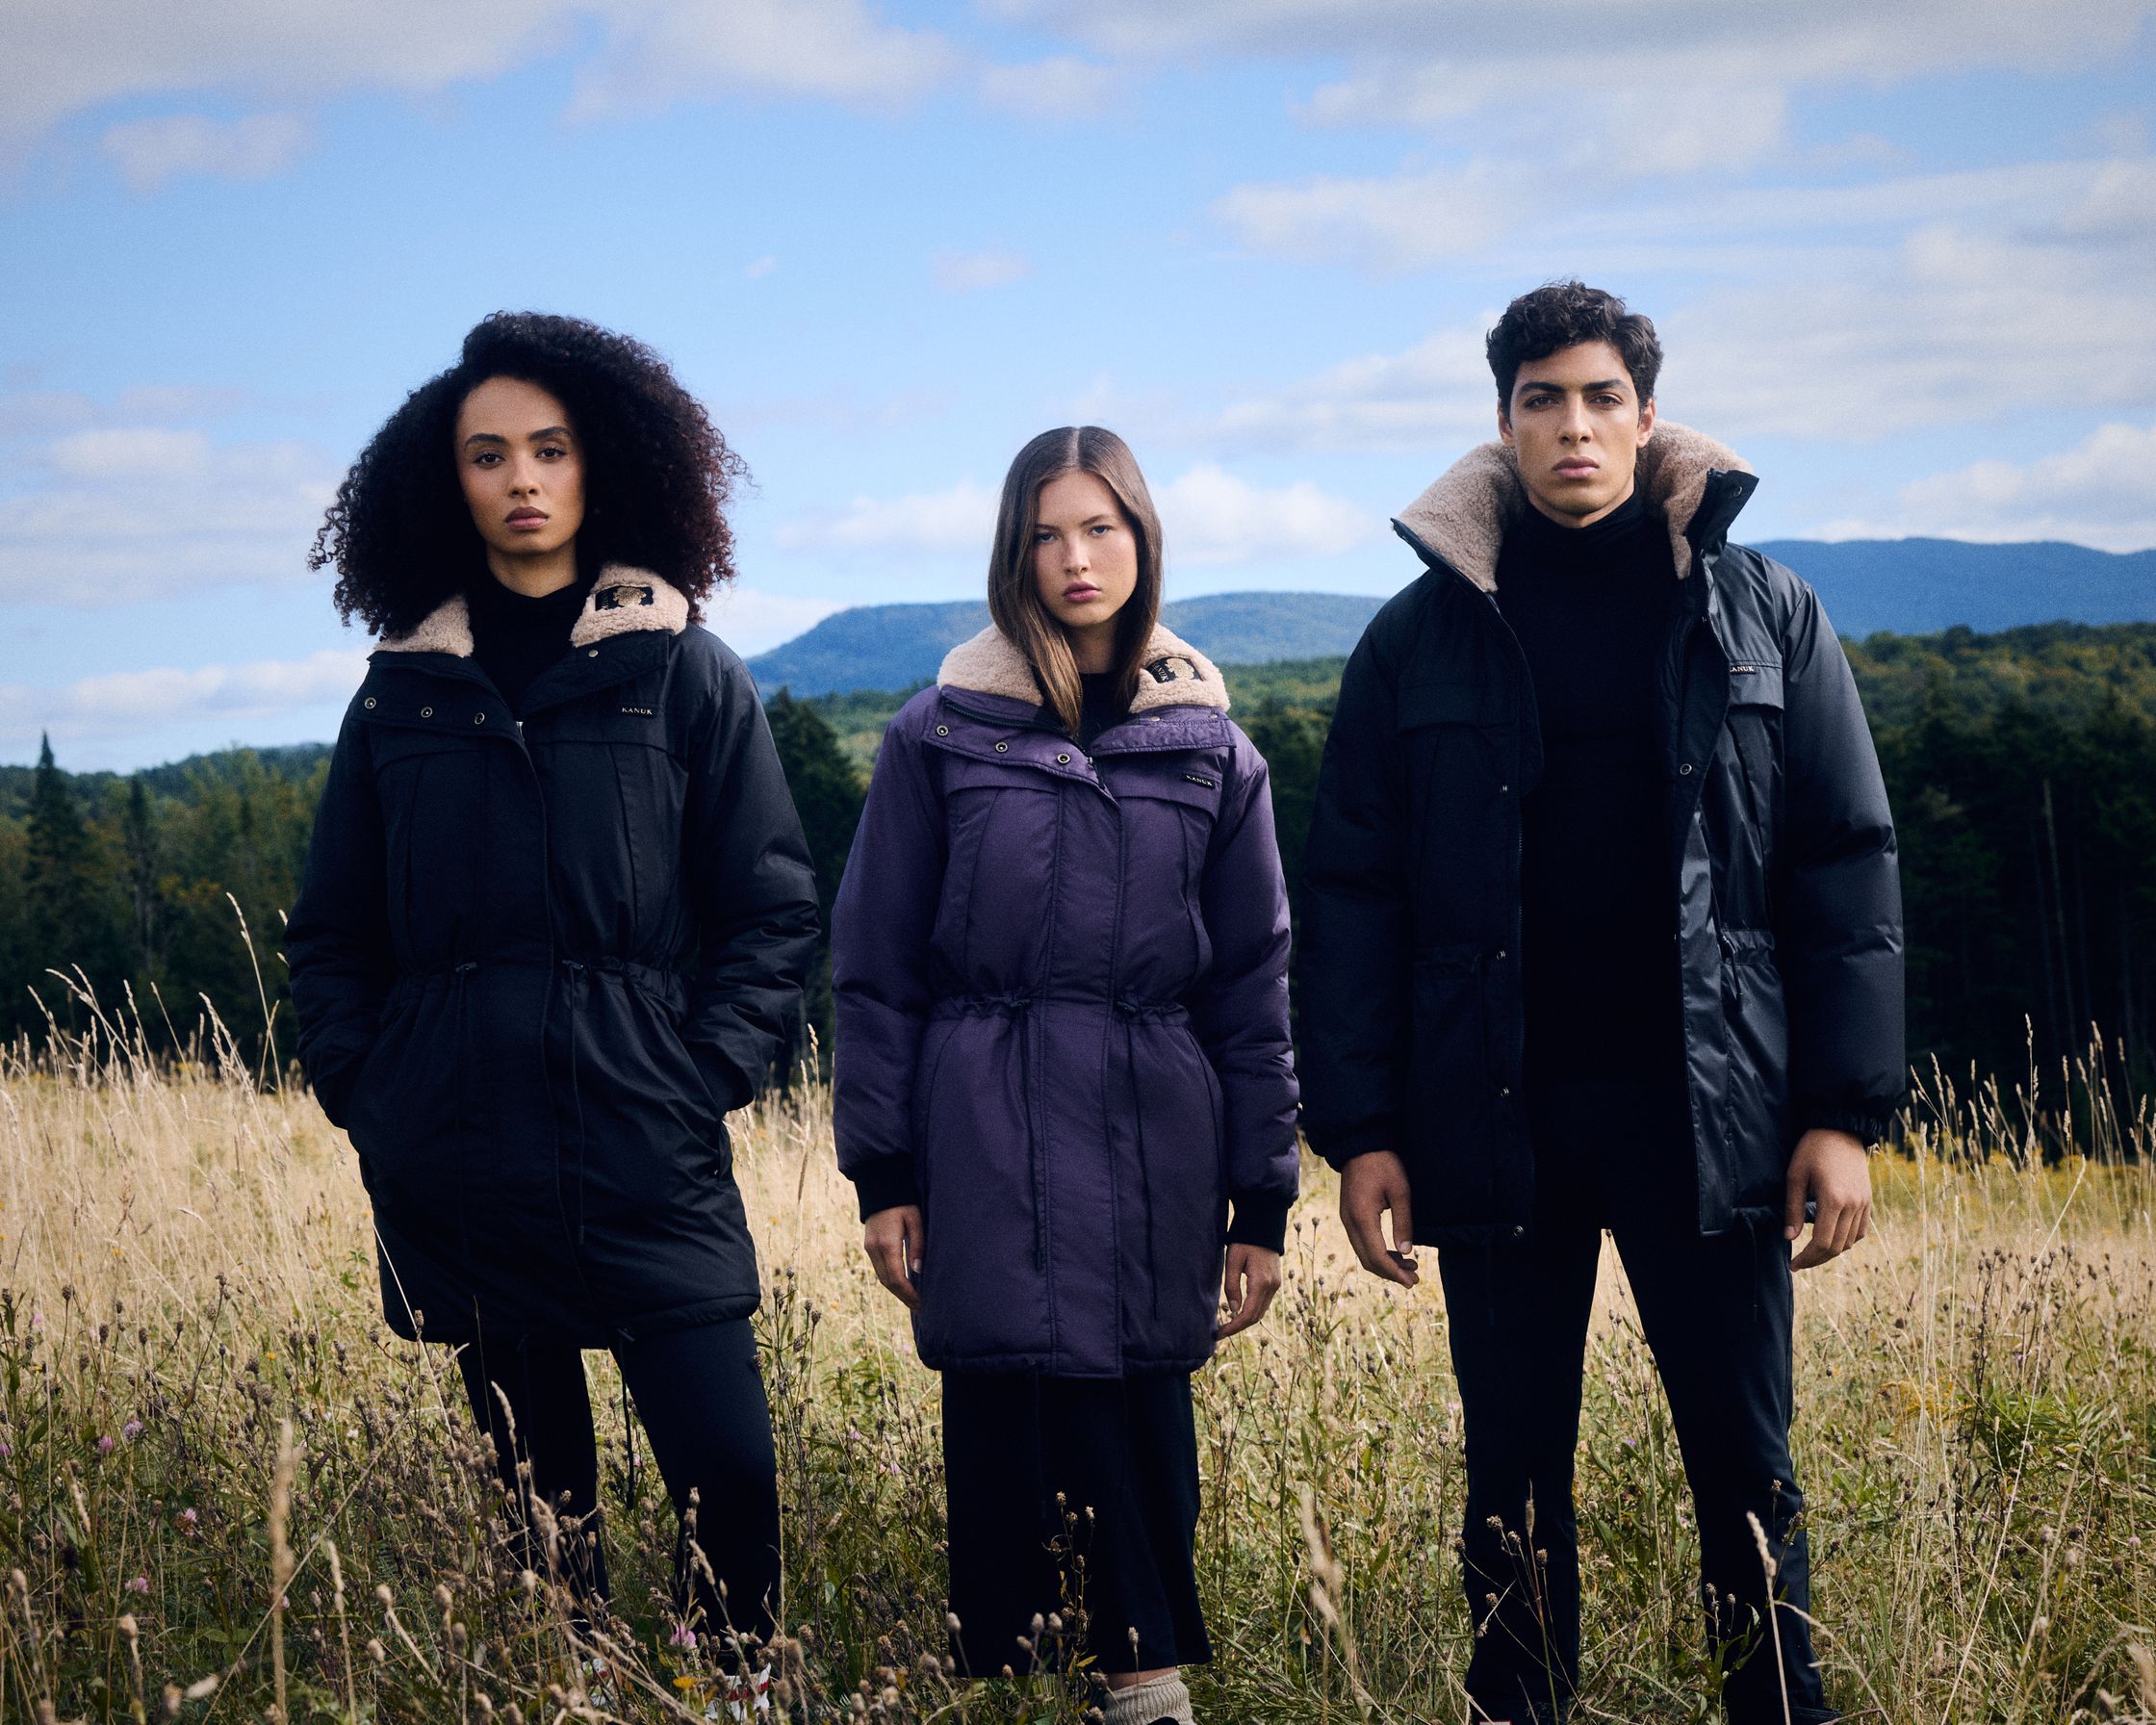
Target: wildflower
<point>6,1450</point>
<point>682,1636</point>
<point>186,1521</point>
<point>139,1584</point>
<point>131,1431</point>
<point>105,1444</point>
<point>36,1320</point>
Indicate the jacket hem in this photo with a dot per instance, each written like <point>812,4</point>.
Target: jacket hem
<point>461,1330</point>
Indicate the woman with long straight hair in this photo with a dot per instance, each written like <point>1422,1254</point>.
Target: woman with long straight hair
<point>1060,962</point>
<point>555,919</point>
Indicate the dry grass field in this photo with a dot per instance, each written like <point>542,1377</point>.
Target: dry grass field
<point>227,1493</point>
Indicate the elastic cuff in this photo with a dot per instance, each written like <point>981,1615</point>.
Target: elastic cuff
<point>1869,1126</point>
<point>1260,1218</point>
<point>885,1184</point>
<point>1339,1149</point>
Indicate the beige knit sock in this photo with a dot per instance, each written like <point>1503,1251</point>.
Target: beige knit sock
<point>1143,1704</point>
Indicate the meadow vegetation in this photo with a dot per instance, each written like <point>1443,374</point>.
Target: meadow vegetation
<point>226,1492</point>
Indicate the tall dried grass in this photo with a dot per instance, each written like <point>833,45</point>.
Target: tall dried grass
<point>227,1493</point>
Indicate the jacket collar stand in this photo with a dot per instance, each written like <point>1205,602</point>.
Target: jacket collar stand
<point>622,600</point>
<point>1462,518</point>
<point>1173,673</point>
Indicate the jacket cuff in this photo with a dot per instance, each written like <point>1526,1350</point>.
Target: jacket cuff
<point>1261,1219</point>
<point>1870,1126</point>
<point>1341,1147</point>
<point>333,1085</point>
<point>883,1184</point>
<point>731,1088</point>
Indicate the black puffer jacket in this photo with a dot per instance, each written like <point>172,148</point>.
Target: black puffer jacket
<point>1781,860</point>
<point>535,964</point>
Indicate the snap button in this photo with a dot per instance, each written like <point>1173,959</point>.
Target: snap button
<point>478,718</point>
<point>1503,790</point>
<point>1519,1232</point>
<point>1003,747</point>
<point>1684,771</point>
<point>1500,954</point>
<point>370,704</point>
<point>426,712</point>
<point>593,653</point>
<point>1063,761</point>
<point>942,731</point>
<point>1505,1090</point>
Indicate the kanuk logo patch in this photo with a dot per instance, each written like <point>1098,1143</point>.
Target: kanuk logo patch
<point>622,597</point>
<point>1173,668</point>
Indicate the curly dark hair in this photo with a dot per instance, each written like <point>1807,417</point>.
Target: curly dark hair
<point>1563,314</point>
<point>658,473</point>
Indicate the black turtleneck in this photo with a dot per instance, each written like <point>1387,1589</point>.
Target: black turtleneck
<point>514,637</point>
<point>1592,607</point>
<point>1098,707</point>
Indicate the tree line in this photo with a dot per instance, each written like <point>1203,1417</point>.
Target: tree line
<point>2022,767</point>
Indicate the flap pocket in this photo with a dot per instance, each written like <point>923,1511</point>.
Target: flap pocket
<point>1165,781</point>
<point>965,772</point>
<point>1755,682</point>
<point>394,742</point>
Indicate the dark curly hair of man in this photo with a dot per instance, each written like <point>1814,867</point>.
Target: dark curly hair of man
<point>657,475</point>
<point>1563,314</point>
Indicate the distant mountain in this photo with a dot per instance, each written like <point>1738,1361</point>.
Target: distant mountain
<point>894,646</point>
<point>1906,586</point>
<point>1921,587</point>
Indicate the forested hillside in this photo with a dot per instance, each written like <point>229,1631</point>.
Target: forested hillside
<point>2022,768</point>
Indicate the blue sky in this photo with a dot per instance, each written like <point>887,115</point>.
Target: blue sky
<point>1901,257</point>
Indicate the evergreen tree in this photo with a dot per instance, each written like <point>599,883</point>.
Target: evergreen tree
<point>829,793</point>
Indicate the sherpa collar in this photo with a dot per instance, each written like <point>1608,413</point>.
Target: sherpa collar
<point>1174,673</point>
<point>621,601</point>
<point>1463,517</point>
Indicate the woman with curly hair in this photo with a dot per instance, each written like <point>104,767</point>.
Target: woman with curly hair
<point>556,915</point>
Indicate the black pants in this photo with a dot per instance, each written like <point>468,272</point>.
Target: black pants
<point>700,1393</point>
<point>1122,1452</point>
<point>1716,1313</point>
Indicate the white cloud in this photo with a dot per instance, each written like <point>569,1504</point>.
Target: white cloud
<point>57,60</point>
<point>1061,88</point>
<point>1381,225</point>
<point>1437,393</point>
<point>125,513</point>
<point>760,267</point>
<point>1207,516</point>
<point>148,152</point>
<point>2101,492</point>
<point>751,619</point>
<point>126,703</point>
<point>961,519</point>
<point>975,272</point>
<point>1211,516</point>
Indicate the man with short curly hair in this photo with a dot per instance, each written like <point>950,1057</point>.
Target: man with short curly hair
<point>1603,932</point>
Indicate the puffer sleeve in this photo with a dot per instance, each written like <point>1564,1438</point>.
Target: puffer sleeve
<point>337,944</point>
<point>1241,1013</point>
<point>880,934</point>
<point>1840,933</point>
<point>752,884</point>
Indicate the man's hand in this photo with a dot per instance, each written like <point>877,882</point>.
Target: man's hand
<point>897,1240</point>
<point>1369,1185</point>
<point>1830,1169</point>
<point>1251,1281</point>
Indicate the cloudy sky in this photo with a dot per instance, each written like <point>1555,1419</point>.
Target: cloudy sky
<point>1904,256</point>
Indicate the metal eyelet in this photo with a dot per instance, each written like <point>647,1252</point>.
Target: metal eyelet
<point>1003,747</point>
<point>593,653</point>
<point>942,731</point>
<point>370,704</point>
<point>1684,771</point>
<point>1063,761</point>
<point>426,712</point>
<point>478,718</point>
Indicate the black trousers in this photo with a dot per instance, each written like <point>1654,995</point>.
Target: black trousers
<point>700,1393</point>
<point>1716,1313</point>
<point>1122,1453</point>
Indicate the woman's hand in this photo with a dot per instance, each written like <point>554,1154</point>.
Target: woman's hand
<point>1251,1281</point>
<point>897,1240</point>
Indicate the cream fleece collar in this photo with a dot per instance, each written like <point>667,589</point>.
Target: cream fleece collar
<point>1464,515</point>
<point>1175,674</point>
<point>621,602</point>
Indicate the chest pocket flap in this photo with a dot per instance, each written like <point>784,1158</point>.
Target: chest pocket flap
<point>1445,703</point>
<point>1194,786</point>
<point>1755,682</point>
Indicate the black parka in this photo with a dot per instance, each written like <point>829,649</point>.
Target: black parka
<point>1781,866</point>
<point>535,964</point>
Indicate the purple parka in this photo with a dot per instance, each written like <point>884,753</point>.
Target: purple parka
<point>1063,1015</point>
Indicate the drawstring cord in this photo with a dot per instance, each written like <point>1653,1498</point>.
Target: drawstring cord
<point>579,974</point>
<point>1130,1013</point>
<point>463,974</point>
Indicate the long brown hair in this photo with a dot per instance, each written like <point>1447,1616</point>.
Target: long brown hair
<point>1014,600</point>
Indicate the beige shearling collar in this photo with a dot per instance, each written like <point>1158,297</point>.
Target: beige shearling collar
<point>1174,673</point>
<point>621,602</point>
<point>1464,515</point>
